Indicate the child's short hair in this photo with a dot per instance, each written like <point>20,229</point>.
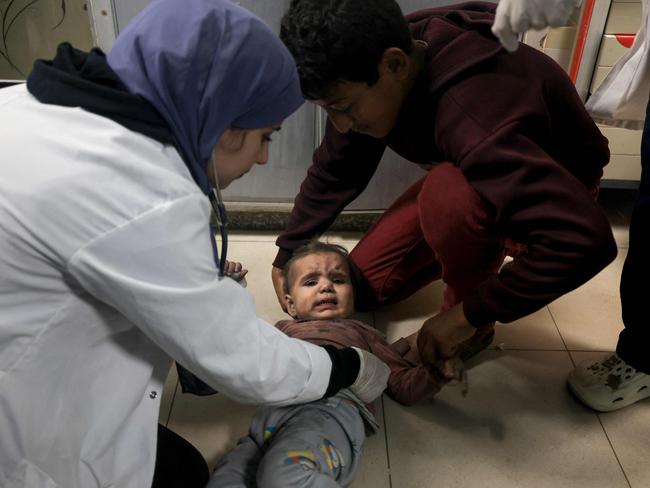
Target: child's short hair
<point>334,40</point>
<point>317,247</point>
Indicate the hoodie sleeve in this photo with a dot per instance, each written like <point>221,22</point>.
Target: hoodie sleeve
<point>537,202</point>
<point>408,383</point>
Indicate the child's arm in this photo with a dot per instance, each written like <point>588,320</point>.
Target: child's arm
<point>408,383</point>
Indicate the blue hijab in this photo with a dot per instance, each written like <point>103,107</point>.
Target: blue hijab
<point>206,66</point>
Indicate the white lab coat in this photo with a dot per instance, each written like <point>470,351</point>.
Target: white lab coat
<point>622,97</point>
<point>106,273</point>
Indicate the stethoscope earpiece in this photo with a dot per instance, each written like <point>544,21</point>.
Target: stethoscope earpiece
<point>220,214</point>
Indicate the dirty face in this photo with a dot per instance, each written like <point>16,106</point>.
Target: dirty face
<point>320,288</point>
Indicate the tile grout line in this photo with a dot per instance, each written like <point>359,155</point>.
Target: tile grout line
<point>620,465</point>
<point>383,410</point>
<point>566,349</point>
<point>597,415</point>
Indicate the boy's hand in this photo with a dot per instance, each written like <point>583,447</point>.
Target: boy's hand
<point>440,336</point>
<point>453,369</point>
<point>235,271</point>
<point>278,286</point>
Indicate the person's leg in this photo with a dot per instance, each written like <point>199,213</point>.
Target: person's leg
<point>440,227</point>
<point>457,225</point>
<point>238,468</point>
<point>393,256</point>
<point>318,445</point>
<point>634,340</point>
<point>618,380</point>
<point>178,463</point>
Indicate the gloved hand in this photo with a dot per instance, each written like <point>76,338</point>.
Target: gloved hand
<point>372,378</point>
<point>516,16</point>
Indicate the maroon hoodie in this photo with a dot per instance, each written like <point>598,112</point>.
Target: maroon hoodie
<point>516,128</point>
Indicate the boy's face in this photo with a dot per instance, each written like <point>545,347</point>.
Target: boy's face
<point>371,110</point>
<point>320,288</point>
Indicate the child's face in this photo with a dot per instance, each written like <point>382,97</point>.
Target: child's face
<point>320,288</point>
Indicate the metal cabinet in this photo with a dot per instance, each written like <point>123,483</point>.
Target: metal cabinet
<point>291,151</point>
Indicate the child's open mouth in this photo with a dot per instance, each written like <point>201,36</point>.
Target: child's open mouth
<point>329,302</point>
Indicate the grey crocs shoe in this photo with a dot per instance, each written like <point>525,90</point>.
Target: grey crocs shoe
<point>608,384</point>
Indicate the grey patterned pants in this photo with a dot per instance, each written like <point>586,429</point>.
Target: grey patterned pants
<point>313,445</point>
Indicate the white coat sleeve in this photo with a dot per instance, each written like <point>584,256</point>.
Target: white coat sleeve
<point>158,270</point>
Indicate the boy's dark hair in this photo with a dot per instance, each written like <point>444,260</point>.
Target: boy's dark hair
<point>335,40</point>
<point>317,247</point>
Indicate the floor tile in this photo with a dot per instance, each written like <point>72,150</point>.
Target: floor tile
<point>406,317</point>
<point>251,236</point>
<point>518,427</point>
<point>621,231</point>
<point>257,258</point>
<point>589,318</point>
<point>373,472</point>
<point>619,219</point>
<point>534,332</point>
<point>629,433</point>
<point>213,424</point>
<point>537,331</point>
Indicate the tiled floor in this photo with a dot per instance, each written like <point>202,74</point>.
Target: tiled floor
<point>517,427</point>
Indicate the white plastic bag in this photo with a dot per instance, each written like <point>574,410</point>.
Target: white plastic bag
<point>622,97</point>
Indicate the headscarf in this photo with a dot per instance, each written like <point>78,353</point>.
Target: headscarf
<point>206,66</point>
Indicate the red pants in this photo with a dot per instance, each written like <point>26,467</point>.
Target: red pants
<point>439,228</point>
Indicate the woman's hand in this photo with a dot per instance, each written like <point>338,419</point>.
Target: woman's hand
<point>278,286</point>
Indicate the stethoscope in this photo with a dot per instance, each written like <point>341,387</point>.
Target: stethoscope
<point>220,214</point>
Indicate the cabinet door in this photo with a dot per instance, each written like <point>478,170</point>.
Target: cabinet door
<point>291,150</point>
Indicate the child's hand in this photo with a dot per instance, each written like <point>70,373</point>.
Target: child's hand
<point>454,370</point>
<point>235,271</point>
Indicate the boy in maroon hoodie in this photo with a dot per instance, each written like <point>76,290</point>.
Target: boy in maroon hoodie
<point>514,161</point>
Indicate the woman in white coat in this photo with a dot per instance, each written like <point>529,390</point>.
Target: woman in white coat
<point>108,270</point>
<point>623,378</point>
